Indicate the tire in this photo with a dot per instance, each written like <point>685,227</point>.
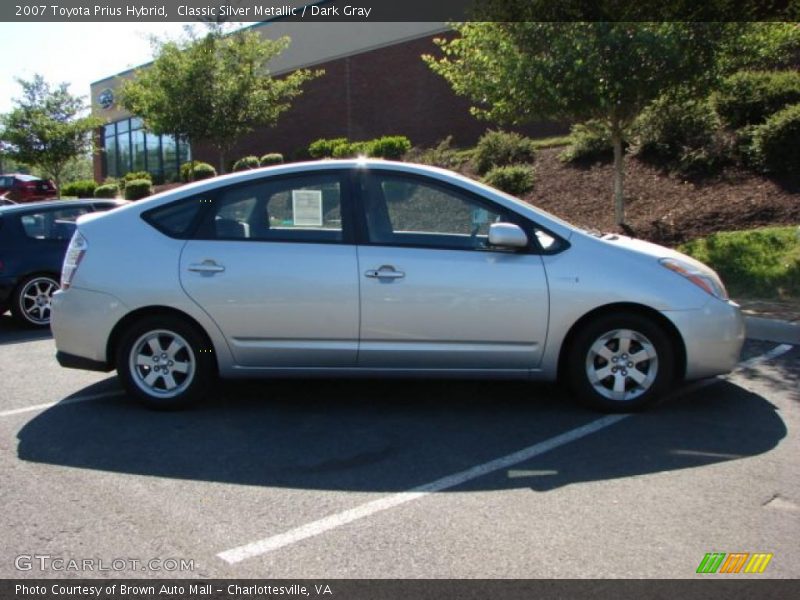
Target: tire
<point>32,300</point>
<point>165,362</point>
<point>620,363</point>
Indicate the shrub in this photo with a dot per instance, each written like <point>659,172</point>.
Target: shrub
<point>392,147</point>
<point>137,175</point>
<point>750,97</point>
<point>501,148</point>
<point>123,181</point>
<point>138,188</point>
<point>512,179</point>
<point>324,148</point>
<point>107,190</point>
<point>83,188</point>
<point>273,158</point>
<point>775,143</point>
<point>202,170</point>
<point>589,141</point>
<point>353,149</point>
<point>683,134</point>
<point>442,155</point>
<point>743,148</point>
<point>246,163</point>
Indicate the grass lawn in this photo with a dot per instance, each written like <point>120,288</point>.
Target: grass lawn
<point>759,263</point>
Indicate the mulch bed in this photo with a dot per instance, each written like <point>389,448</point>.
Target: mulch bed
<point>661,207</point>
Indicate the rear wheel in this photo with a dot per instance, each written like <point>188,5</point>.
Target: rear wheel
<point>32,300</point>
<point>165,362</point>
<point>621,363</point>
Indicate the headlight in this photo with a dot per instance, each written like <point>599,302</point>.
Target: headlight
<point>702,278</point>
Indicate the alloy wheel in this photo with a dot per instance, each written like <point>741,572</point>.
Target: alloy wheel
<point>622,364</point>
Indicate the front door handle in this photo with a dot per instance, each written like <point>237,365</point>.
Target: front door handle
<point>207,266</point>
<point>385,272</point>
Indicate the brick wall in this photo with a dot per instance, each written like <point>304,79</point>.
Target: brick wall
<point>382,92</point>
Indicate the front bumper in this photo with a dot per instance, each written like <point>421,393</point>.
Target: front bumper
<point>713,337</point>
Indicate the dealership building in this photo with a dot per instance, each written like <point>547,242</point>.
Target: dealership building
<point>375,84</point>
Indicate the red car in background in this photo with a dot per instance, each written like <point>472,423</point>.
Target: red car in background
<point>26,188</point>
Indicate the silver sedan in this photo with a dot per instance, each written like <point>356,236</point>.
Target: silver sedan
<point>380,269</point>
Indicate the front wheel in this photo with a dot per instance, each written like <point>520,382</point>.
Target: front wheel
<point>621,363</point>
<point>165,362</point>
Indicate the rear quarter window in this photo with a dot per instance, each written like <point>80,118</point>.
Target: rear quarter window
<point>176,219</point>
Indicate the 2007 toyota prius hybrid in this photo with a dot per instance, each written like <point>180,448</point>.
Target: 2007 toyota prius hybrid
<point>375,268</point>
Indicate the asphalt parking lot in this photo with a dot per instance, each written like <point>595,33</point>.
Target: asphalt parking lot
<point>369,479</point>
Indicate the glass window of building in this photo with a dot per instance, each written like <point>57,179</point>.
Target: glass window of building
<point>129,147</point>
<point>138,151</point>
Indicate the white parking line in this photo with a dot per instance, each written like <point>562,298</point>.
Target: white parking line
<point>757,360</point>
<point>314,528</point>
<point>35,407</point>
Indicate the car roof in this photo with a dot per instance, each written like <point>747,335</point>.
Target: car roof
<point>22,176</point>
<point>27,206</point>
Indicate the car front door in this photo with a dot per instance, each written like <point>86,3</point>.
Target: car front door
<point>274,266</point>
<point>434,294</point>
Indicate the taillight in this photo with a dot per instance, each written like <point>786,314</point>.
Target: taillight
<point>77,248</point>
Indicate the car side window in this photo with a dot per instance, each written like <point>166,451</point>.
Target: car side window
<point>297,209</point>
<point>52,224</point>
<point>411,212</point>
<point>176,218</point>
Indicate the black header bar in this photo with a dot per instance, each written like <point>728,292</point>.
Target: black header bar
<point>396,10</point>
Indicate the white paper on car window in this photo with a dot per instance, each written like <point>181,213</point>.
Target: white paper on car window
<point>307,208</point>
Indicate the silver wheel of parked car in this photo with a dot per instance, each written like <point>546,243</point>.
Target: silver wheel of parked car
<point>33,300</point>
<point>165,362</point>
<point>622,364</point>
<point>162,363</point>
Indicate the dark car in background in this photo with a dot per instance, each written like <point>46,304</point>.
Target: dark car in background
<point>20,187</point>
<point>33,239</point>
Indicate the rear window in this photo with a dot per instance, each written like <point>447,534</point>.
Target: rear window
<point>176,219</point>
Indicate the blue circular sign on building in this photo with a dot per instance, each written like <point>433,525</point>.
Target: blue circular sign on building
<point>106,98</point>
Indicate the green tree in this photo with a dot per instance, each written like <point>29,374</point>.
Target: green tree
<point>47,128</point>
<point>518,72</point>
<point>212,88</point>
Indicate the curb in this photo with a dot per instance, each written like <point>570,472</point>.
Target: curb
<point>772,330</point>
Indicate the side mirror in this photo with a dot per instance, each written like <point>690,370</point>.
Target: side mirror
<point>507,235</point>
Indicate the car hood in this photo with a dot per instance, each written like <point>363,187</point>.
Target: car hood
<point>649,249</point>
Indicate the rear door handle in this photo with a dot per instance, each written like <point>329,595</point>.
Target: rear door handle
<point>207,266</point>
<point>385,272</point>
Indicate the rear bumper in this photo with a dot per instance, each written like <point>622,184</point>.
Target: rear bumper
<point>82,321</point>
<point>70,361</point>
<point>712,336</point>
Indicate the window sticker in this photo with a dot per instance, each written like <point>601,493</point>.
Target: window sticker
<point>480,216</point>
<point>307,208</point>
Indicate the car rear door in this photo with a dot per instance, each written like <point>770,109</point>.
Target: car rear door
<point>434,294</point>
<point>275,266</point>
